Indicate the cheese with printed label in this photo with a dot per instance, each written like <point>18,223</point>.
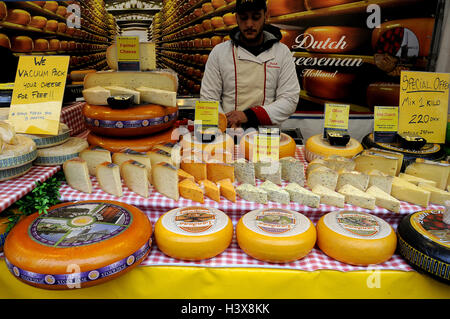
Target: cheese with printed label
<point>57,155</point>
<point>95,156</point>
<point>435,171</point>
<point>76,172</point>
<point>328,196</point>
<point>318,147</point>
<point>357,197</point>
<point>383,199</point>
<point>380,180</point>
<point>292,170</point>
<point>244,171</point>
<point>157,96</point>
<point>135,177</point>
<point>302,196</point>
<point>354,178</point>
<point>147,56</point>
<point>323,176</point>
<point>109,180</point>
<point>408,192</point>
<point>275,193</point>
<point>252,193</point>
<point>275,235</point>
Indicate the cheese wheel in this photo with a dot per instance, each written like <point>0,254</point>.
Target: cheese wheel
<point>78,75</point>
<point>19,154</point>
<point>4,41</point>
<point>275,235</point>
<point>404,37</point>
<point>43,141</point>
<point>229,18</point>
<point>57,155</point>
<point>18,16</point>
<point>328,85</point>
<point>61,11</point>
<point>281,7</point>
<point>54,45</point>
<point>51,5</point>
<point>316,4</point>
<point>130,122</point>
<point>193,233</point>
<point>38,22</point>
<point>318,147</point>
<point>423,242</point>
<point>52,26</point>
<point>11,173</point>
<point>207,7</point>
<point>41,45</point>
<point>383,94</point>
<point>3,10</point>
<point>356,238</point>
<point>206,23</point>
<point>62,27</point>
<point>288,37</point>
<point>217,22</point>
<point>287,145</point>
<point>64,45</point>
<point>334,39</point>
<point>21,43</point>
<point>78,244</point>
<point>222,142</point>
<point>140,144</point>
<point>218,3</point>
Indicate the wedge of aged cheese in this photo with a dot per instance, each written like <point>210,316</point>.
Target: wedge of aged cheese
<point>275,193</point>
<point>218,171</point>
<point>367,161</point>
<point>227,189</point>
<point>328,196</point>
<point>210,189</point>
<point>164,80</point>
<point>244,171</point>
<point>315,163</point>
<point>383,199</point>
<point>354,178</point>
<point>157,156</point>
<point>135,177</point>
<point>182,175</point>
<point>57,155</point>
<point>108,177</point>
<point>435,171</point>
<point>157,96</point>
<point>96,95</point>
<point>380,180</point>
<point>270,171</point>
<point>292,170</point>
<point>408,192</point>
<point>323,176</point>
<point>357,197</point>
<point>77,174</point>
<point>416,180</point>
<point>165,180</point>
<point>147,56</point>
<point>397,155</point>
<point>438,196</point>
<point>141,157</point>
<point>252,193</point>
<point>337,163</point>
<point>174,149</point>
<point>190,190</point>
<point>302,196</point>
<point>118,90</point>
<point>95,156</point>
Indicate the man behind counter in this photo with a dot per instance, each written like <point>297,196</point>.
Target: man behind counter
<point>253,75</point>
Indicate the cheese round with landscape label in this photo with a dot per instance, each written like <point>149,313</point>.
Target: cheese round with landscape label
<point>356,238</point>
<point>318,147</point>
<point>287,145</point>
<point>193,233</point>
<point>275,235</point>
<point>78,244</point>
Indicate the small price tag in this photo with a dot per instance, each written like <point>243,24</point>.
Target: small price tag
<point>336,117</point>
<point>424,104</point>
<point>38,93</point>
<point>207,113</point>
<point>266,145</point>
<point>128,58</point>
<point>385,123</point>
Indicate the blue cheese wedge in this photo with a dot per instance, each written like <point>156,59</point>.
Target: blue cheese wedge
<point>275,193</point>
<point>244,171</point>
<point>252,193</point>
<point>292,170</point>
<point>383,199</point>
<point>270,171</point>
<point>302,196</point>
<point>357,197</point>
<point>328,196</point>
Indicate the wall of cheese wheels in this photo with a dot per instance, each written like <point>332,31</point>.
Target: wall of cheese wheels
<point>44,28</point>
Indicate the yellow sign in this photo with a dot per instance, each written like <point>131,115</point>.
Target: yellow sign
<point>207,113</point>
<point>336,116</point>
<point>424,104</point>
<point>128,58</point>
<point>38,93</point>
<point>266,145</point>
<point>385,118</point>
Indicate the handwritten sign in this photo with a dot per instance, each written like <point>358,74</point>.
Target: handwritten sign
<point>266,145</point>
<point>38,93</point>
<point>128,58</point>
<point>385,123</point>
<point>424,104</point>
<point>336,117</point>
<point>207,113</point>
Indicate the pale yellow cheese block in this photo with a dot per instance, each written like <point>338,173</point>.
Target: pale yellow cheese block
<point>357,197</point>
<point>383,199</point>
<point>438,196</point>
<point>434,171</point>
<point>408,192</point>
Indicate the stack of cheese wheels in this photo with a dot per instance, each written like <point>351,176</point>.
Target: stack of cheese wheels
<point>318,147</point>
<point>356,238</point>
<point>193,233</point>
<point>78,245</point>
<point>275,235</point>
<point>287,145</point>
<point>423,242</point>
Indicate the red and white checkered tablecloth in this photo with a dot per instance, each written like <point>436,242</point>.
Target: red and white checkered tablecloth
<point>13,189</point>
<point>72,116</point>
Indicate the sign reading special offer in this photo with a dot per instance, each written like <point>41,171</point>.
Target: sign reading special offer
<point>424,104</point>
<point>38,93</point>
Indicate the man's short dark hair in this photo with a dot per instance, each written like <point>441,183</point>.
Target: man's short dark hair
<point>248,5</point>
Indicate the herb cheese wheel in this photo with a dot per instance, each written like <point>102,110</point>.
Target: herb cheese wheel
<point>423,240</point>
<point>287,145</point>
<point>57,155</point>
<point>43,141</point>
<point>356,238</point>
<point>83,243</point>
<point>318,147</point>
<point>19,154</point>
<point>134,121</point>
<point>193,233</point>
<point>275,235</point>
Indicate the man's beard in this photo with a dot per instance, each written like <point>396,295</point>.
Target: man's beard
<point>252,41</point>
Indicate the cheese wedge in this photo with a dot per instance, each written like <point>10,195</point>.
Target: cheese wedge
<point>118,90</point>
<point>210,189</point>
<point>252,193</point>
<point>121,157</point>
<point>302,196</point>
<point>438,196</point>
<point>338,163</point>
<point>368,161</point>
<point>380,180</point>
<point>108,177</point>
<point>135,177</point>
<point>408,192</point>
<point>244,171</point>
<point>383,199</point>
<point>190,190</point>
<point>397,155</point>
<point>292,170</point>
<point>96,95</point>
<point>227,190</point>
<point>323,176</point>
<point>357,197</point>
<point>193,166</point>
<point>315,163</point>
<point>416,180</point>
<point>328,196</point>
<point>95,156</point>
<point>174,149</point>
<point>182,175</point>
<point>165,180</point>
<point>157,96</point>
<point>275,193</point>
<point>435,171</point>
<point>218,171</point>
<point>158,156</point>
<point>354,178</point>
<point>77,175</point>
<point>270,171</point>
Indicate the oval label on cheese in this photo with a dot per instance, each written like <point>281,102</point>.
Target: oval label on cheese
<point>195,221</point>
<point>429,224</point>
<point>276,222</point>
<point>357,225</point>
<point>80,224</point>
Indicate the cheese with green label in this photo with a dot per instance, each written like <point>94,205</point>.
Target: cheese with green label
<point>380,180</point>
<point>96,95</point>
<point>408,192</point>
<point>118,90</point>
<point>275,193</point>
<point>328,196</point>
<point>57,155</point>
<point>10,173</point>
<point>292,170</point>
<point>383,199</point>
<point>437,196</point>
<point>435,171</point>
<point>354,178</point>
<point>244,171</point>
<point>302,196</point>
<point>355,196</point>
<point>157,96</point>
<point>252,193</point>
<point>323,176</point>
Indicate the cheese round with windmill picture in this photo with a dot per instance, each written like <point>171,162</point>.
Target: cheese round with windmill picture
<point>275,235</point>
<point>78,244</point>
<point>287,145</point>
<point>356,238</point>
<point>318,147</point>
<point>193,233</point>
